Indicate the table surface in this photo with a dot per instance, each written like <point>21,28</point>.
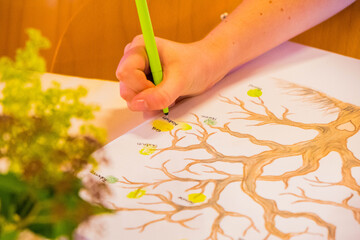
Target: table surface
<point>114,115</point>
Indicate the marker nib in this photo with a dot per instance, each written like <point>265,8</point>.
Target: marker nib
<point>166,111</point>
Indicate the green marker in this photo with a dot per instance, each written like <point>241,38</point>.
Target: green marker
<point>150,44</point>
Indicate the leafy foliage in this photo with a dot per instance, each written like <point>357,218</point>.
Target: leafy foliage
<point>39,187</point>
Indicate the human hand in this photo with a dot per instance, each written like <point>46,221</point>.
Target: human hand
<point>188,69</point>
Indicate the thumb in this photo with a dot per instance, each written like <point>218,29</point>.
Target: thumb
<point>160,96</point>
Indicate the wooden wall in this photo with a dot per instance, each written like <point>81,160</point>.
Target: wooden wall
<point>50,16</point>
<point>340,34</point>
<point>88,36</point>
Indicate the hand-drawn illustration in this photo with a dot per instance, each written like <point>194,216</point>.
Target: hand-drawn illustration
<point>280,191</point>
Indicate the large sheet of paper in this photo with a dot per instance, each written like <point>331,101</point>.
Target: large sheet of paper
<point>272,152</point>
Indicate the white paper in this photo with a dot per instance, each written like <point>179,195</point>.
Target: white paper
<point>284,165</point>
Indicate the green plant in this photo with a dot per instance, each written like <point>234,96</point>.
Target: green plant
<point>39,184</point>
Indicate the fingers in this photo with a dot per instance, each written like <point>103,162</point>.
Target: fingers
<point>151,99</point>
<point>132,70</point>
<point>127,47</point>
<point>126,93</point>
<point>140,93</point>
<point>137,41</point>
<point>161,96</point>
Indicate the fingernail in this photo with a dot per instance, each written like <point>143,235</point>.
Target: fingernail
<point>140,105</point>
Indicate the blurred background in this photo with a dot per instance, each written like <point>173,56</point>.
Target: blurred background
<point>88,36</point>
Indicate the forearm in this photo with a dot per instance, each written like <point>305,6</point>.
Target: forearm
<point>253,28</point>
<point>257,26</point>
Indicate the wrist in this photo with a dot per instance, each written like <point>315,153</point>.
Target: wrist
<point>212,57</point>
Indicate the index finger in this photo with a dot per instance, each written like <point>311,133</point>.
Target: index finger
<point>133,68</point>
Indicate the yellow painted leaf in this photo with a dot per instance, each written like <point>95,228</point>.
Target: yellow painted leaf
<point>254,92</point>
<point>147,150</point>
<point>162,125</point>
<point>185,126</point>
<point>136,193</point>
<point>197,197</point>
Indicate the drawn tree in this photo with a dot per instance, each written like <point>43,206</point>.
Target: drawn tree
<point>330,137</point>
